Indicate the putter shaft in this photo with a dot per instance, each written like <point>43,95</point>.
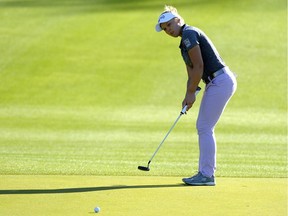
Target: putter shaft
<point>181,113</point>
<point>165,138</point>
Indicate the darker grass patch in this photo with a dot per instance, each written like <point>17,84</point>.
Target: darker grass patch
<point>128,5</point>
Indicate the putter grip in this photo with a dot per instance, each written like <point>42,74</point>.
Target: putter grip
<point>198,90</point>
<point>185,107</point>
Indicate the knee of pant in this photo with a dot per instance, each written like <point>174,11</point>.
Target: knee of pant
<point>204,129</point>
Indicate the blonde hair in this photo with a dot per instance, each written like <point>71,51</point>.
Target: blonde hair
<point>169,8</point>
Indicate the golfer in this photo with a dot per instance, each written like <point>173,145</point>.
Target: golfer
<point>202,62</point>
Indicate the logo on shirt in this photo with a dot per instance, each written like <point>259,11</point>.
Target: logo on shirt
<point>187,42</point>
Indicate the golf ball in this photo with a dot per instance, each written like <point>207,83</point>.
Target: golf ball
<point>97,209</point>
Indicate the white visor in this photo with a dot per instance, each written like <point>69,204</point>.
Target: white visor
<point>164,17</point>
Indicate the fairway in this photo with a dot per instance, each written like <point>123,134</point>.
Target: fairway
<point>75,195</point>
<point>88,90</point>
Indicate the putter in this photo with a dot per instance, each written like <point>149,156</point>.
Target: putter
<point>147,168</point>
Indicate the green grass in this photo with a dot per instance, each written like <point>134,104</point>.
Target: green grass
<point>79,195</point>
<point>115,142</point>
<point>89,88</point>
<point>77,56</point>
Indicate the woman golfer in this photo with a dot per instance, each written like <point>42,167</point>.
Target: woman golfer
<point>202,62</point>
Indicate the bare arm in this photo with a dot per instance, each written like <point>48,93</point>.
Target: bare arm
<point>194,76</point>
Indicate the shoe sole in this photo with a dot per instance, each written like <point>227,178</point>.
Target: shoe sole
<point>201,184</point>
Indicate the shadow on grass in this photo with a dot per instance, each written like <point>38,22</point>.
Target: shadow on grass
<point>85,189</point>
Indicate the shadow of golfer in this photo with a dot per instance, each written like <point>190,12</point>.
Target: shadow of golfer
<point>85,189</point>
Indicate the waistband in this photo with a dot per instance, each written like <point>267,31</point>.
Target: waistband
<point>215,74</point>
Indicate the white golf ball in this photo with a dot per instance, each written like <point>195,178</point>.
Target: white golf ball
<point>97,209</point>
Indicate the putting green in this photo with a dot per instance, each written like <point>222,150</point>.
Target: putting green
<point>78,195</point>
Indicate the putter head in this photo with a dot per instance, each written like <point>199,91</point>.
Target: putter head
<point>143,168</point>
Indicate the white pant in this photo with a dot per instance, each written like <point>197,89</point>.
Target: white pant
<point>216,96</point>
